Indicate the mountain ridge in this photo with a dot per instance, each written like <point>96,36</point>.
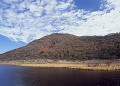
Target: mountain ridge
<point>68,46</point>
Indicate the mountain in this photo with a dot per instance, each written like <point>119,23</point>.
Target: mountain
<point>68,46</point>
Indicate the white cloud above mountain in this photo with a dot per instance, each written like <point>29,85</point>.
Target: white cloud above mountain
<point>25,20</point>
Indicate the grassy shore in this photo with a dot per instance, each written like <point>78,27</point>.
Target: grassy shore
<point>78,64</point>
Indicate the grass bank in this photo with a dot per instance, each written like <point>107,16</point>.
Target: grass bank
<point>78,64</point>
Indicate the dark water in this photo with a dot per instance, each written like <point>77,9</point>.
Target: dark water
<point>29,76</point>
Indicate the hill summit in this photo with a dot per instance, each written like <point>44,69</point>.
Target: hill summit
<point>68,46</point>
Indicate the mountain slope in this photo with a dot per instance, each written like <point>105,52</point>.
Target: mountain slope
<point>67,46</point>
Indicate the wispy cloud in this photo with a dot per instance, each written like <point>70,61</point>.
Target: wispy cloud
<point>26,20</point>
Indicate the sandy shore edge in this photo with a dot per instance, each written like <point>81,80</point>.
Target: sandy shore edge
<point>82,65</point>
<point>73,66</point>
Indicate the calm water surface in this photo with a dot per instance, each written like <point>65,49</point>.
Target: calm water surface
<point>30,76</point>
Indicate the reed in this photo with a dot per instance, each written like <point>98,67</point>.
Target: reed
<point>85,65</point>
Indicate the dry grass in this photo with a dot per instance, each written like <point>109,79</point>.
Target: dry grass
<point>86,65</point>
<point>77,66</point>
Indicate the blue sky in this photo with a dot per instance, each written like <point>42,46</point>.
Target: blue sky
<point>92,5</point>
<point>22,21</point>
<point>6,44</point>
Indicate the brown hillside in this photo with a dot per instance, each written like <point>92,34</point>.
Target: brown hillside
<point>67,46</point>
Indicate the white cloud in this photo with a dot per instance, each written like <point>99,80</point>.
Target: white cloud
<point>28,20</point>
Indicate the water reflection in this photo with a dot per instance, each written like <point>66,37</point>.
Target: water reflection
<point>29,76</point>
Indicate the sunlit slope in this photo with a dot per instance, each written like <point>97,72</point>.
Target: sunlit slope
<point>68,46</point>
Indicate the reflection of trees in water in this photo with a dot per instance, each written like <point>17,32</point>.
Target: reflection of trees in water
<point>68,77</point>
<point>45,76</point>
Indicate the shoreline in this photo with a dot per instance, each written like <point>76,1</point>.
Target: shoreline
<point>82,65</point>
<point>72,66</point>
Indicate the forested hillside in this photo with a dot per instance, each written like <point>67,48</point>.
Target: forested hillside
<point>67,46</point>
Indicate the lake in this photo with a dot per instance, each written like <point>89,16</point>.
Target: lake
<point>11,75</point>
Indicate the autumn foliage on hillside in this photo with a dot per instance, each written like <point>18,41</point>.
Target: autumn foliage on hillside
<point>67,46</point>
